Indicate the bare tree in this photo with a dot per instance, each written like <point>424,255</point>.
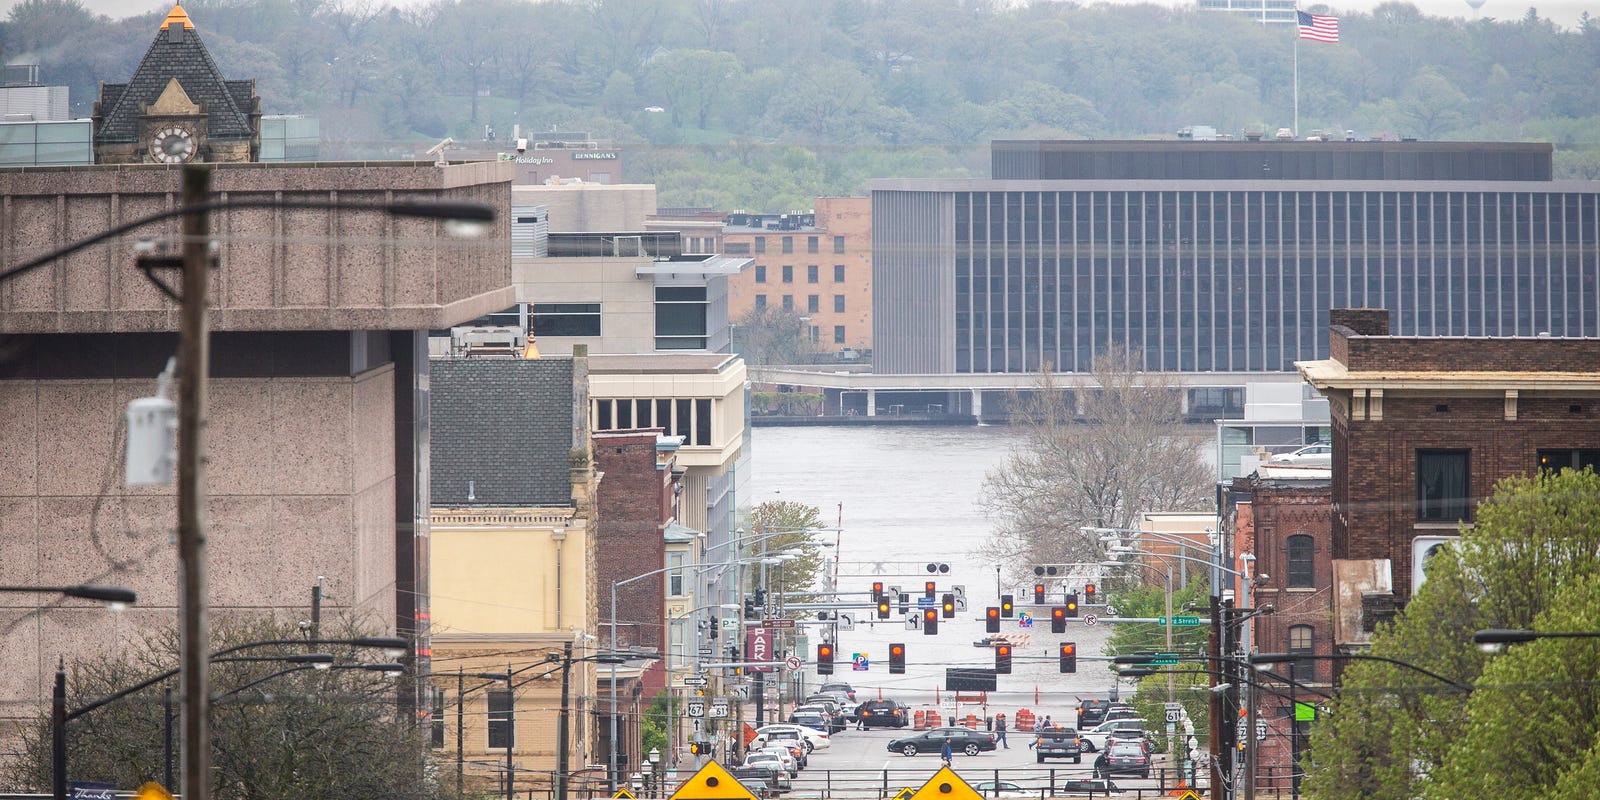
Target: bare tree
<point>769,335</point>
<point>1112,447</point>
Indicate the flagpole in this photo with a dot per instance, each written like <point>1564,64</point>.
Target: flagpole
<point>1297,72</point>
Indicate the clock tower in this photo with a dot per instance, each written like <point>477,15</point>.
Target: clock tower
<point>177,108</point>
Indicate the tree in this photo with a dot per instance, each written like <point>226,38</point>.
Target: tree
<point>798,523</point>
<point>310,733</point>
<point>1529,561</point>
<point>767,335</point>
<point>690,83</point>
<point>1123,449</point>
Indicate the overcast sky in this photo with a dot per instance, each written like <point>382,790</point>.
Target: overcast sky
<point>1562,12</point>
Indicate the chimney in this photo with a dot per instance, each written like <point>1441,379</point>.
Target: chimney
<point>1361,321</point>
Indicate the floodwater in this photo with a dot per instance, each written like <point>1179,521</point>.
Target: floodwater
<point>906,497</point>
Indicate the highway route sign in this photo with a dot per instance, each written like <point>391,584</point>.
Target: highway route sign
<point>1261,731</point>
<point>1090,620</point>
<point>794,663</point>
<point>695,680</point>
<point>1174,716</point>
<point>697,708</point>
<point>719,709</point>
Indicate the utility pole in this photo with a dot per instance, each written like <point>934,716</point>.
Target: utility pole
<point>562,723</point>
<point>194,354</point>
<point>316,608</point>
<point>461,730</point>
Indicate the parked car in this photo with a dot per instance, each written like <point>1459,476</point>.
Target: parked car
<point>884,713</point>
<point>764,778</point>
<point>1133,735</point>
<point>780,757</point>
<point>1117,712</point>
<point>815,740</point>
<point>1092,713</point>
<point>1103,731</point>
<point>1006,789</point>
<point>835,717</point>
<point>961,741</point>
<point>1312,455</point>
<point>813,720</point>
<point>836,687</point>
<point>1057,743</point>
<point>1090,786</point>
<point>1125,757</point>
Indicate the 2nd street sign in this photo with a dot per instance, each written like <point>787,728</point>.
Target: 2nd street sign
<point>1179,622</point>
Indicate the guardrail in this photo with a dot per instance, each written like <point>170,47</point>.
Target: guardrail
<point>1031,782</point>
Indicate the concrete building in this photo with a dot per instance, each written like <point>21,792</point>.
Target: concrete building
<point>1220,260</point>
<point>1423,427</point>
<point>818,264</point>
<point>513,561</point>
<point>1266,12</point>
<point>550,157</point>
<point>318,407</point>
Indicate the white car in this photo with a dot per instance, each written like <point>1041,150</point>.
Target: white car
<point>1312,455</point>
<point>814,739</point>
<point>779,757</point>
<point>1007,789</point>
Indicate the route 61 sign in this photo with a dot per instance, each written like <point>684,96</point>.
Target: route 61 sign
<point>719,709</point>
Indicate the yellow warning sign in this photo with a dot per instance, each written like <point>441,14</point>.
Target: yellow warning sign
<point>1186,794</point>
<point>712,782</point>
<point>905,793</point>
<point>150,790</point>
<point>622,794</point>
<point>946,785</point>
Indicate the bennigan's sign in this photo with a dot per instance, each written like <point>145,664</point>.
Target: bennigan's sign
<point>594,156</point>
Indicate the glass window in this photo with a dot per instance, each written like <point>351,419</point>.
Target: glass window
<point>1443,490</point>
<point>761,273</point>
<point>788,274</point>
<point>681,313</point>
<point>761,301</point>
<point>501,734</point>
<point>1302,641</point>
<point>677,576</point>
<point>788,302</point>
<point>761,244</point>
<point>811,273</point>
<point>566,319</point>
<point>811,244</point>
<point>1300,549</point>
<point>838,304</point>
<point>838,334</point>
<point>1556,460</point>
<point>788,244</point>
<point>436,735</point>
<point>813,304</point>
<point>838,244</point>
<point>702,422</point>
<point>838,273</point>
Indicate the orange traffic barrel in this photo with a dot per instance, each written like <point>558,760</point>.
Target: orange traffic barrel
<point>933,719</point>
<point>919,721</point>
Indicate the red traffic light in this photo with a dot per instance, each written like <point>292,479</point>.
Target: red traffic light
<point>1058,620</point>
<point>991,620</point>
<point>1069,657</point>
<point>1002,659</point>
<point>930,621</point>
<point>1038,594</point>
<point>877,589</point>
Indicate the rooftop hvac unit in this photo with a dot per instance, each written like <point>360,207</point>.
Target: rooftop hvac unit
<point>479,338</point>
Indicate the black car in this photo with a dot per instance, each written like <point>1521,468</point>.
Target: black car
<point>1057,743</point>
<point>884,713</point>
<point>1125,757</point>
<point>1091,786</point>
<point>1092,713</point>
<point>763,780</point>
<point>961,741</point>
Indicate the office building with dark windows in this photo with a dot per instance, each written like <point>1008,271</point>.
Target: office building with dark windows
<point>1224,257</point>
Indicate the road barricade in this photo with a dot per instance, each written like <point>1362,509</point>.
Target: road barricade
<point>933,719</point>
<point>919,721</point>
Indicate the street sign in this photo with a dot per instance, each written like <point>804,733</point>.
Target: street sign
<point>1024,619</point>
<point>926,602</point>
<point>1165,660</point>
<point>793,663</point>
<point>695,680</point>
<point>1261,730</point>
<point>758,646</point>
<point>858,662</point>
<point>712,782</point>
<point>905,793</point>
<point>778,623</point>
<point>719,709</point>
<point>622,794</point>
<point>741,691</point>
<point>946,785</point>
<point>1174,716</point>
<point>697,708</point>
<point>730,623</point>
<point>1179,622</point>
<point>1090,620</point>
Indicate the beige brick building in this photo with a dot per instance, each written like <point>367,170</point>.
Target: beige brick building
<point>819,264</point>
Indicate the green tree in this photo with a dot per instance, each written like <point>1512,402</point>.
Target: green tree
<point>785,525</point>
<point>690,83</point>
<point>1392,732</point>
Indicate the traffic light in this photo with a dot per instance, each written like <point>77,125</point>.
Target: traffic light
<point>883,608</point>
<point>1008,605</point>
<point>1038,594</point>
<point>991,619</point>
<point>1058,620</point>
<point>877,591</point>
<point>947,604</point>
<point>930,621</point>
<point>1069,657</point>
<point>1072,604</point>
<point>1002,659</point>
<point>1088,594</point>
<point>903,598</point>
<point>928,589</point>
<point>897,659</point>
<point>824,659</point>
<point>700,748</point>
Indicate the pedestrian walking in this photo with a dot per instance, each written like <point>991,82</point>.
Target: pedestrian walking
<point>861,716</point>
<point>946,755</point>
<point>1000,731</point>
<point>1047,725</point>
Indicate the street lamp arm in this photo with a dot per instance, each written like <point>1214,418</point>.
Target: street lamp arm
<point>466,211</point>
<point>1140,673</point>
<point>309,661</point>
<point>384,642</point>
<point>105,594</point>
<point>1272,658</point>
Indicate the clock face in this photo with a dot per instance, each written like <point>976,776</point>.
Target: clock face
<point>173,144</point>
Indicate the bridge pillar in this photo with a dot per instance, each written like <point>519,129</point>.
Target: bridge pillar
<point>977,404</point>
<point>872,402</point>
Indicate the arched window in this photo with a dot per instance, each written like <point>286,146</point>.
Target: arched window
<point>1300,573</point>
<point>1303,641</point>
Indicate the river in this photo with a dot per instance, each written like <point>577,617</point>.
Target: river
<point>905,497</point>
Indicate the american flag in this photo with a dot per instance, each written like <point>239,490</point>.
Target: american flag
<point>1318,27</point>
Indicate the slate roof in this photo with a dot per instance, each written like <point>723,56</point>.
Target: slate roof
<point>173,55</point>
<point>505,426</point>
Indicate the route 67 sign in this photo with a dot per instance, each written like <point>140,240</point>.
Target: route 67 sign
<point>697,708</point>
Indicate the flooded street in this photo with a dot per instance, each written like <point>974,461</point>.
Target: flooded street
<point>906,497</point>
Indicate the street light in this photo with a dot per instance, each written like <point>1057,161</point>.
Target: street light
<point>1493,640</point>
<point>115,597</point>
<point>194,208</point>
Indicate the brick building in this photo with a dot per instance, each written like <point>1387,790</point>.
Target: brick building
<point>1423,427</point>
<point>818,264</point>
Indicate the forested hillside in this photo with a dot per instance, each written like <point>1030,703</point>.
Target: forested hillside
<point>764,104</point>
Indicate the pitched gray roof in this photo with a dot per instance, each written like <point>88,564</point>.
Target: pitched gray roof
<point>501,432</point>
<point>171,55</point>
